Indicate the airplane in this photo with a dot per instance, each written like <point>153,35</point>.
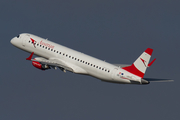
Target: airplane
<point>53,55</point>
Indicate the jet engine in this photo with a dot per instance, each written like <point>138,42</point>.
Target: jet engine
<point>40,66</point>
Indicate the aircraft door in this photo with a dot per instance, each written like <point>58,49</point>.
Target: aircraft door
<point>24,39</point>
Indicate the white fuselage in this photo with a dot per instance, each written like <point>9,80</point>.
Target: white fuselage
<point>79,62</point>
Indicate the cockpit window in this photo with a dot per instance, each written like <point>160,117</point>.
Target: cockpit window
<point>18,36</point>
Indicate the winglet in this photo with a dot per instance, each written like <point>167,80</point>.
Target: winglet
<point>151,62</point>
<point>30,57</point>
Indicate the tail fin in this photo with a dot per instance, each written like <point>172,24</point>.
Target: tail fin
<point>140,65</point>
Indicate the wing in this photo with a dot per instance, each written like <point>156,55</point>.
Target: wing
<point>53,62</point>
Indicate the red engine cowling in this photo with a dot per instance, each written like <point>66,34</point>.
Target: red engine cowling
<point>40,66</point>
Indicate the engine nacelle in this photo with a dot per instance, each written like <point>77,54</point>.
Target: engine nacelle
<point>40,66</point>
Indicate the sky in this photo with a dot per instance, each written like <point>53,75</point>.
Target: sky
<point>117,31</point>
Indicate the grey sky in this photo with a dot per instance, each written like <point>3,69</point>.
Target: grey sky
<point>112,30</point>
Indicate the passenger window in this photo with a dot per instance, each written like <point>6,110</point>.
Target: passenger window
<point>48,48</point>
<point>54,50</point>
<point>51,49</point>
<point>75,58</point>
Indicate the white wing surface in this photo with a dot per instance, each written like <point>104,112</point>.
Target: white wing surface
<point>53,62</point>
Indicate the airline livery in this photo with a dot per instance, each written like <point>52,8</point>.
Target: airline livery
<point>53,55</point>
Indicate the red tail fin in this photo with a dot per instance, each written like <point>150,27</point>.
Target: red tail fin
<point>138,68</point>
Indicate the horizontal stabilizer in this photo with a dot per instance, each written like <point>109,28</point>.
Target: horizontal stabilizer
<point>122,65</point>
<point>158,80</point>
<point>151,63</point>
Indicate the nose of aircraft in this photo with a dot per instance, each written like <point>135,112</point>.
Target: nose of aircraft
<point>12,41</point>
<point>15,41</point>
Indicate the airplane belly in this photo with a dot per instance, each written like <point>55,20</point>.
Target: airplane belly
<point>100,75</point>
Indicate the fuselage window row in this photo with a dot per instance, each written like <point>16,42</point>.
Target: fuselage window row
<point>73,58</point>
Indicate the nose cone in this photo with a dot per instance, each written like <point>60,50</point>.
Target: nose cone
<point>15,41</point>
<point>12,41</point>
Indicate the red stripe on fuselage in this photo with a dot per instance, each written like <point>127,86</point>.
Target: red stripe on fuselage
<point>132,69</point>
